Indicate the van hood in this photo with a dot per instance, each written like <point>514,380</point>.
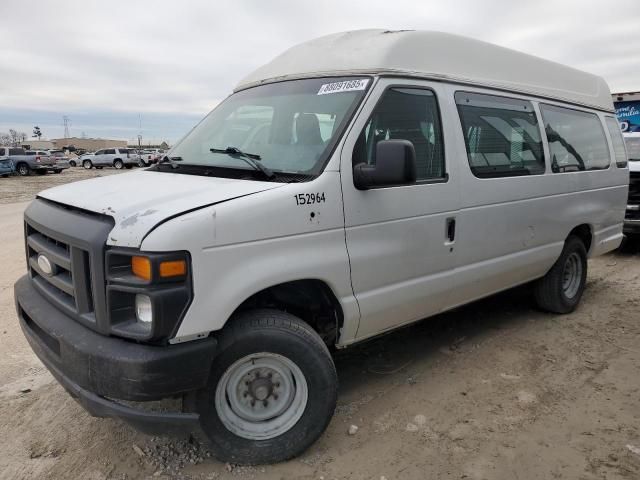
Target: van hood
<point>138,201</point>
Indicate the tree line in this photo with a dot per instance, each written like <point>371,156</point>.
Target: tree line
<point>15,138</point>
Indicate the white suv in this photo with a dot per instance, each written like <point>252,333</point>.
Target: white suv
<point>112,157</point>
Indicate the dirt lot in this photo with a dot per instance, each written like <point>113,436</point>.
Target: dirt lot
<point>22,189</point>
<point>495,390</point>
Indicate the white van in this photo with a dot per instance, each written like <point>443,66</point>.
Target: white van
<point>355,184</point>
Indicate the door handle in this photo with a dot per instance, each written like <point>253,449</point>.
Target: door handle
<point>451,230</point>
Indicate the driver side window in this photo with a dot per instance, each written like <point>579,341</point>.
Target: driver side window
<point>406,114</point>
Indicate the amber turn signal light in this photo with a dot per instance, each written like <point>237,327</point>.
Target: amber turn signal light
<point>174,268</point>
<point>141,267</point>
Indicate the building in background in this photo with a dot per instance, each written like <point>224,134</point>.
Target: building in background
<point>37,144</point>
<point>88,144</point>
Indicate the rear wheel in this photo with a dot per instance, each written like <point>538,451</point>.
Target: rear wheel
<point>560,290</point>
<point>87,164</point>
<point>23,169</point>
<point>272,389</point>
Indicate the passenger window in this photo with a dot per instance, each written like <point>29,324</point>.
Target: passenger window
<point>576,139</point>
<point>110,151</point>
<point>501,134</point>
<point>407,114</point>
<point>618,143</point>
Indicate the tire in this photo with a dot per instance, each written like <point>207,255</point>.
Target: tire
<point>23,169</point>
<point>560,290</point>
<point>117,164</point>
<point>57,171</point>
<point>265,342</point>
<point>72,163</point>
<point>87,164</point>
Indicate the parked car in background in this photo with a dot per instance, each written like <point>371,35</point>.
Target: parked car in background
<point>61,161</point>
<point>79,161</point>
<point>632,216</point>
<point>29,161</point>
<point>6,167</point>
<point>112,157</point>
<point>148,158</point>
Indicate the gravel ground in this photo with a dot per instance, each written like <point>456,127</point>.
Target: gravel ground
<point>494,390</point>
<point>22,189</point>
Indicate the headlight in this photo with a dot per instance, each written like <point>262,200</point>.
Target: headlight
<point>148,293</point>
<point>144,311</point>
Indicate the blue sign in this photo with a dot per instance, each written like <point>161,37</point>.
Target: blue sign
<point>628,114</point>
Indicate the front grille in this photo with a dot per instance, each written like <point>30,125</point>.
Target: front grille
<point>634,196</point>
<point>74,243</point>
<point>70,282</point>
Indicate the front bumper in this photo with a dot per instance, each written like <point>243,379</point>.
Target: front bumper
<point>95,368</point>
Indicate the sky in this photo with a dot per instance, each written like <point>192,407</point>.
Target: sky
<point>122,68</point>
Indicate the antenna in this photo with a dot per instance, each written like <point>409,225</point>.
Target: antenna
<point>67,123</point>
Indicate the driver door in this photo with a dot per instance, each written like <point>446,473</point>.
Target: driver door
<point>401,239</point>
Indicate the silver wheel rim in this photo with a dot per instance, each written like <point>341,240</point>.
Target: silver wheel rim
<point>87,165</point>
<point>572,275</point>
<point>261,396</point>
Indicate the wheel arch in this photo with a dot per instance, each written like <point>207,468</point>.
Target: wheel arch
<point>585,233</point>
<point>311,300</point>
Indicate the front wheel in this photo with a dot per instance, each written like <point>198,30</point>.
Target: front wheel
<point>118,164</point>
<point>560,290</point>
<point>87,164</point>
<point>72,163</point>
<point>272,389</point>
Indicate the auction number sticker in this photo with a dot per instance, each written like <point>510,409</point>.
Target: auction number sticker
<point>346,86</point>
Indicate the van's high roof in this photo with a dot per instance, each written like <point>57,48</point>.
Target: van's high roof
<point>434,55</point>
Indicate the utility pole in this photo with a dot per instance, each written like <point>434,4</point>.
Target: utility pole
<point>67,123</point>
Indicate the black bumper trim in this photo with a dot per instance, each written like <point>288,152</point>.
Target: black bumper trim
<point>146,421</point>
<point>95,365</point>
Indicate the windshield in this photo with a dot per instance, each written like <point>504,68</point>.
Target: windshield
<point>291,126</point>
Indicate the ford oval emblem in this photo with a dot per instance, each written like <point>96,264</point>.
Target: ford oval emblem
<point>45,265</point>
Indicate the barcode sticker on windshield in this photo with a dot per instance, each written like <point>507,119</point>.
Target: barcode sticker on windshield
<point>346,86</point>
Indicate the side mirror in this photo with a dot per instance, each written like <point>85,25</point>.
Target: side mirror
<point>395,165</point>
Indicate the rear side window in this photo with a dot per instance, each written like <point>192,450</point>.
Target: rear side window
<point>110,151</point>
<point>502,135</point>
<point>406,114</point>
<point>576,140</point>
<point>616,139</point>
<point>16,151</point>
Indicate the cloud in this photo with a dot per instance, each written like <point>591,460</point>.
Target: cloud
<point>167,59</point>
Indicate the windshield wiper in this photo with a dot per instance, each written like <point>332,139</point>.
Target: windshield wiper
<point>250,158</point>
